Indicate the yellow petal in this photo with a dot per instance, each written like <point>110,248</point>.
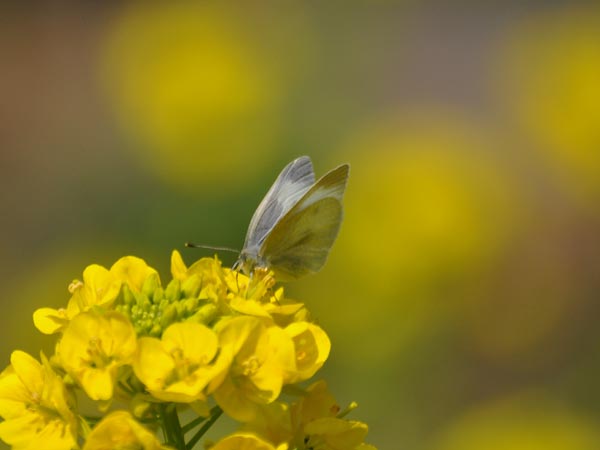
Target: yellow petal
<point>318,403</point>
<point>178,267</point>
<point>50,320</point>
<point>197,342</point>
<point>28,370</point>
<point>133,271</point>
<point>20,431</point>
<point>14,396</point>
<point>312,347</point>
<point>152,364</point>
<point>273,422</point>
<point>98,383</point>
<point>120,430</point>
<point>244,441</point>
<point>181,392</point>
<point>233,333</point>
<point>249,307</point>
<point>338,433</point>
<point>101,287</point>
<point>235,402</point>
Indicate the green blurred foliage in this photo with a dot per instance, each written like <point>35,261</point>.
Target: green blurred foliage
<point>462,293</point>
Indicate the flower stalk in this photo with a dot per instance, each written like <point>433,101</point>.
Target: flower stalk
<point>215,414</point>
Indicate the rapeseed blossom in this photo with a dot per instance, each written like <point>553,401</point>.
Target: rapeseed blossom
<point>37,407</point>
<point>176,368</point>
<point>120,430</point>
<point>93,348</point>
<point>213,341</point>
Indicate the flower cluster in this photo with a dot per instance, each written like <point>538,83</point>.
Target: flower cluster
<point>211,341</point>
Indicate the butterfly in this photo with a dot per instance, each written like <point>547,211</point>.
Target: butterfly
<point>296,223</point>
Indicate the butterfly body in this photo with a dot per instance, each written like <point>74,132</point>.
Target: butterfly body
<point>297,222</point>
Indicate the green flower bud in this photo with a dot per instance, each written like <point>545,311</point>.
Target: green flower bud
<point>191,286</point>
<point>205,315</point>
<point>173,290</point>
<point>151,284</point>
<point>128,297</point>
<point>190,305</point>
<point>169,315</point>
<point>158,295</point>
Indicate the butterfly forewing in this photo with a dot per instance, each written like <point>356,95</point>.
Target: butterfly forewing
<point>291,184</point>
<point>300,241</point>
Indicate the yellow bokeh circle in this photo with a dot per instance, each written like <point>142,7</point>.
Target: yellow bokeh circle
<point>427,206</point>
<point>190,84</point>
<point>527,423</point>
<point>548,74</point>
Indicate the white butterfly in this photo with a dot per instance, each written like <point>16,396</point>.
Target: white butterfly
<point>297,222</point>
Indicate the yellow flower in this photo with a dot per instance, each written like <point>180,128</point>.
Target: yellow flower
<point>274,422</point>
<point>36,406</point>
<point>180,365</point>
<point>312,348</point>
<point>331,433</point>
<point>255,297</point>
<point>119,430</point>
<point>245,441</point>
<point>133,271</point>
<point>93,347</point>
<point>209,269</point>
<point>260,356</point>
<point>231,290</point>
<point>316,425</point>
<point>52,320</point>
<point>257,288</point>
<point>100,287</point>
<point>318,403</point>
<point>206,272</point>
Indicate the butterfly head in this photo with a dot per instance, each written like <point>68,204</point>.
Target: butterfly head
<point>247,262</point>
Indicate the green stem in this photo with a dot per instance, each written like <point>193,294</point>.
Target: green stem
<point>128,389</point>
<point>171,426</point>
<point>163,423</point>
<point>92,421</point>
<point>193,424</point>
<point>215,414</point>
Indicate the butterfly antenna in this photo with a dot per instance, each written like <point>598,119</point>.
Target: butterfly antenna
<point>211,247</point>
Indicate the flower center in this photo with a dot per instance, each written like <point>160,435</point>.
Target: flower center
<point>250,366</point>
<point>96,355</point>
<point>182,363</point>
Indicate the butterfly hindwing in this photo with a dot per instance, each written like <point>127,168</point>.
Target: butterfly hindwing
<point>291,184</point>
<point>300,241</point>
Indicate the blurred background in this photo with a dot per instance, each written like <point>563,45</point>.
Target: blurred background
<point>462,296</point>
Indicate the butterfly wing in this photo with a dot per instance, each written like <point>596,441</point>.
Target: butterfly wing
<point>300,241</point>
<point>292,183</point>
